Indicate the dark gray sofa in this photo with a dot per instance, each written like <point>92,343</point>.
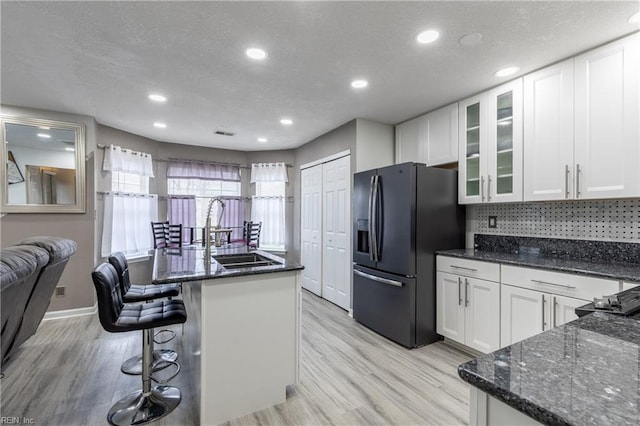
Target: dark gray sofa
<point>29,272</point>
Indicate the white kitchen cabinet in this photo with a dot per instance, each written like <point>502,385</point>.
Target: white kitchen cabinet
<point>534,300</point>
<point>548,133</point>
<point>431,138</point>
<point>607,110</point>
<point>468,308</point>
<point>408,141</point>
<point>628,286</point>
<point>490,146</point>
<point>325,221</point>
<point>526,313</point>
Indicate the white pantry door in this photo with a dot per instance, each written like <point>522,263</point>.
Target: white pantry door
<point>311,224</point>
<point>336,241</point>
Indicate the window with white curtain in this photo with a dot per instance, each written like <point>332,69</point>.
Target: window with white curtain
<point>205,180</point>
<point>127,217</point>
<point>268,204</point>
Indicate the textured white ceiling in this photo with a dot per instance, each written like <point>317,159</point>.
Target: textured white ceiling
<point>103,58</point>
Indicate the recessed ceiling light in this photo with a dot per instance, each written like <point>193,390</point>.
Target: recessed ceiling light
<point>263,140</point>
<point>286,121</point>
<point>504,72</point>
<point>44,135</point>
<point>44,127</point>
<point>359,84</point>
<point>157,98</point>
<point>160,125</point>
<point>69,149</point>
<point>428,36</point>
<point>255,53</point>
<point>470,39</point>
<point>635,18</point>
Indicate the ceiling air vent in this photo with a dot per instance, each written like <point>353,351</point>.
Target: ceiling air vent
<point>224,132</point>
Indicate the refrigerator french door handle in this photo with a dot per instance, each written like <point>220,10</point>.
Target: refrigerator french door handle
<point>374,218</point>
<point>378,279</point>
<point>370,218</point>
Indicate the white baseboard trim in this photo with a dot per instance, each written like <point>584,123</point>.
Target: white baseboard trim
<point>68,313</point>
<point>350,312</point>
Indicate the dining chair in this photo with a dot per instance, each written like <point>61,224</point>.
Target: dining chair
<point>252,234</point>
<point>166,235</point>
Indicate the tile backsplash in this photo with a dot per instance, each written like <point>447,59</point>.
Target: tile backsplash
<point>606,220</point>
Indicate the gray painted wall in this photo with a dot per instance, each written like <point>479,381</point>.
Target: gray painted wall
<point>78,226</point>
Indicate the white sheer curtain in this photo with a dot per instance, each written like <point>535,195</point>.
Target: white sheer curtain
<point>181,209</point>
<point>233,216</point>
<point>118,159</point>
<point>270,211</point>
<point>185,169</point>
<point>127,223</point>
<point>269,172</point>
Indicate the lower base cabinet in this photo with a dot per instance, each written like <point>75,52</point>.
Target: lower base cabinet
<point>526,313</point>
<point>468,311</point>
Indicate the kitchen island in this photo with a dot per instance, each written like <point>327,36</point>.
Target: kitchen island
<point>243,326</point>
<point>586,372</point>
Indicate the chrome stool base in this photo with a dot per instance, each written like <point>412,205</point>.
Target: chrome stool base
<point>139,408</point>
<point>133,365</point>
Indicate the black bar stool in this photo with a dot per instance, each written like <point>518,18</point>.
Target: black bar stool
<point>142,293</point>
<point>149,403</point>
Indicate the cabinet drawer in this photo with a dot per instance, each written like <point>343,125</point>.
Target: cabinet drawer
<point>469,268</point>
<point>577,286</point>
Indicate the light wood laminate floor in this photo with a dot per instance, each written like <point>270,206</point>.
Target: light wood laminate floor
<point>69,374</point>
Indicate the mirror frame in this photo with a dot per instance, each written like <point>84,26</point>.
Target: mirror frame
<point>80,204</point>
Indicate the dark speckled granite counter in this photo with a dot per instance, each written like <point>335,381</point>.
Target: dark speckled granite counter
<point>603,259</point>
<point>586,372</point>
<point>613,270</point>
<point>188,264</point>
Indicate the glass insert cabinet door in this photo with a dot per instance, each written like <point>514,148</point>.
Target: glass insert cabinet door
<point>504,142</point>
<point>472,150</point>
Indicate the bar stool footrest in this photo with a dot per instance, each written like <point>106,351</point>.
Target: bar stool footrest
<point>172,335</point>
<point>162,358</point>
<point>168,379</point>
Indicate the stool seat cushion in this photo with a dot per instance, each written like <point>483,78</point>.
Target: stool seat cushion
<point>151,315</point>
<point>141,293</point>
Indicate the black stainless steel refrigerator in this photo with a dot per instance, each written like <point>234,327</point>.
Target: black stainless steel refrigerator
<point>402,214</point>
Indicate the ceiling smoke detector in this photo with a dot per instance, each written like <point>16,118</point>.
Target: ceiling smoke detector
<point>224,132</point>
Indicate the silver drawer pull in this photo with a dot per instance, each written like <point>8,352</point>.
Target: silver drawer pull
<point>466,269</point>
<point>570,287</point>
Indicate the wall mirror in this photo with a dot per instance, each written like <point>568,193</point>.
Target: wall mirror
<point>43,166</point>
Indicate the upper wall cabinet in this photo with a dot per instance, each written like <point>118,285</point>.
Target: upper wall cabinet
<point>581,131</point>
<point>431,138</point>
<point>607,117</point>
<point>490,146</point>
<point>548,133</point>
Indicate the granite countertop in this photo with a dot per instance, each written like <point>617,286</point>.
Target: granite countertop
<point>584,372</point>
<point>611,270</point>
<point>188,264</point>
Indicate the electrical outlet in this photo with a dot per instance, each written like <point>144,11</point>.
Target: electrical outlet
<point>60,291</point>
<point>493,221</point>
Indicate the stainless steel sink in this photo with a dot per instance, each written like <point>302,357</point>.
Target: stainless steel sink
<point>239,261</point>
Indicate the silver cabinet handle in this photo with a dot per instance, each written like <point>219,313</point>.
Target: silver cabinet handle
<point>482,188</point>
<point>544,301</point>
<point>578,171</point>
<point>555,306</point>
<point>466,269</point>
<point>569,287</point>
<point>566,181</point>
<point>378,279</point>
<point>459,291</point>
<point>488,187</point>
<point>466,292</point>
